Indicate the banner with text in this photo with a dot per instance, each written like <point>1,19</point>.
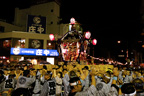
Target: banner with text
<point>36,24</point>
<point>34,52</point>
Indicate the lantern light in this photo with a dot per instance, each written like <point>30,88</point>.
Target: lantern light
<point>51,36</point>
<point>72,20</point>
<point>87,35</point>
<point>94,41</point>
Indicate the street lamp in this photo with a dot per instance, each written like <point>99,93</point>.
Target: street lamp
<point>118,41</point>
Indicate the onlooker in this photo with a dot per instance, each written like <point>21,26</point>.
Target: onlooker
<point>65,80</point>
<point>23,84</point>
<point>128,89</point>
<point>37,85</point>
<point>138,83</point>
<point>2,81</point>
<point>49,87</point>
<point>58,79</point>
<point>76,87</point>
<point>9,85</point>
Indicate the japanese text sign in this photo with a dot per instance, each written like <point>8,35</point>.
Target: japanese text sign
<point>34,52</point>
<point>36,24</point>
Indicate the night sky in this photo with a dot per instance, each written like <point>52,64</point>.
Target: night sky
<point>109,17</point>
<point>107,20</point>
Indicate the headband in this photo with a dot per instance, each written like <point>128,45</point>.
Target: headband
<point>74,83</point>
<point>107,77</point>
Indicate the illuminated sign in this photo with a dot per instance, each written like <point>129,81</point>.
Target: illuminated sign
<point>33,52</point>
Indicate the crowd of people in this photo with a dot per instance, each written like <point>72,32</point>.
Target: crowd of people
<point>60,80</point>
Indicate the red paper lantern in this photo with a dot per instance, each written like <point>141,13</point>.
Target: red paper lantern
<point>51,36</point>
<point>94,41</point>
<point>87,35</point>
<point>72,20</point>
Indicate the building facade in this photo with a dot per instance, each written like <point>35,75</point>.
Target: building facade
<point>48,9</point>
<point>30,31</point>
<point>17,46</point>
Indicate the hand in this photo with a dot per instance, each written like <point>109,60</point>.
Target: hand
<point>82,77</point>
<point>79,67</point>
<point>115,73</point>
<point>94,71</point>
<point>133,76</point>
<point>21,72</point>
<point>15,72</point>
<point>34,73</point>
<point>119,82</point>
<point>70,68</point>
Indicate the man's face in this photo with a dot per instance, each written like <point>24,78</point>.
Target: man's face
<point>17,71</point>
<point>84,70</point>
<point>128,73</point>
<point>136,72</point>
<point>56,66</point>
<point>124,72</point>
<point>59,75</point>
<point>31,72</point>
<point>64,72</point>
<point>64,67</point>
<point>106,78</point>
<point>78,87</point>
<point>47,76</point>
<point>115,72</point>
<point>5,72</point>
<point>78,73</point>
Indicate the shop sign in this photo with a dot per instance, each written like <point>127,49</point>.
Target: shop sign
<point>36,24</point>
<point>34,52</point>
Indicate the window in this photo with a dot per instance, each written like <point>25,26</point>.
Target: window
<point>18,43</point>
<point>7,43</point>
<point>51,22</point>
<point>51,10</point>
<point>35,43</point>
<point>50,44</point>
<point>2,29</point>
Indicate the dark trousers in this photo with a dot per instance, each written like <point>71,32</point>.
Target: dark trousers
<point>21,91</point>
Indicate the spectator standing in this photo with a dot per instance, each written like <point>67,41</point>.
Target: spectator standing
<point>2,81</point>
<point>23,84</point>
<point>49,87</point>
<point>58,79</point>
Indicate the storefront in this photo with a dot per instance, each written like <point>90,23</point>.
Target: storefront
<point>35,56</point>
<point>19,46</point>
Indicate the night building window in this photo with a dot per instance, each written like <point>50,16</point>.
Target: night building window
<point>50,44</point>
<point>51,10</point>
<point>36,43</point>
<point>18,43</point>
<point>2,29</point>
<point>51,22</point>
